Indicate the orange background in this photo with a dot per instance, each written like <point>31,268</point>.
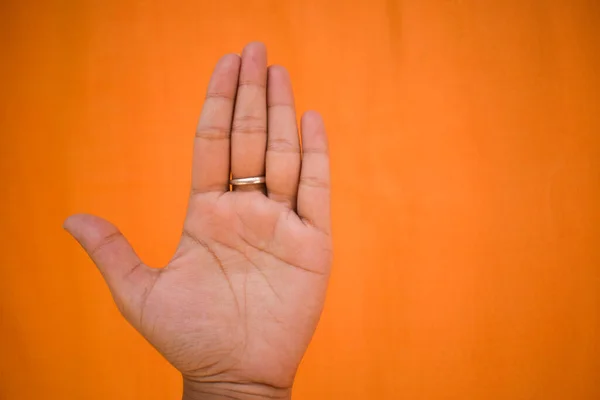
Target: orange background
<point>465,141</point>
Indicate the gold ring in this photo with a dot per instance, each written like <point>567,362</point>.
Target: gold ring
<point>253,180</point>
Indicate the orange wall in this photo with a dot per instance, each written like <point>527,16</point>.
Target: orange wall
<point>466,169</point>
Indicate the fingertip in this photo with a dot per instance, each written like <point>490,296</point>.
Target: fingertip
<point>255,51</point>
<point>66,223</point>
<point>254,46</point>
<point>277,69</point>
<point>229,60</point>
<point>71,223</point>
<point>87,227</point>
<point>278,76</point>
<point>279,86</point>
<point>312,123</point>
<point>312,118</point>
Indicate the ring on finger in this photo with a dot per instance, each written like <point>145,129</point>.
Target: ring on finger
<point>252,180</point>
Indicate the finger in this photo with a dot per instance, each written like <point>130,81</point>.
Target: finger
<point>314,188</point>
<point>128,279</point>
<point>249,129</point>
<point>283,144</point>
<point>210,170</point>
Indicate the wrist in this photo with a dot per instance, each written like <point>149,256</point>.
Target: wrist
<point>233,391</point>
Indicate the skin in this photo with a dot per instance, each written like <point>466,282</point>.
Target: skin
<point>235,308</point>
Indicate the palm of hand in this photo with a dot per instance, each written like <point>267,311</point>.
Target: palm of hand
<point>254,303</point>
<point>236,307</point>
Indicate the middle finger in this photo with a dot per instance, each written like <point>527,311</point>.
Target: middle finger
<point>249,128</point>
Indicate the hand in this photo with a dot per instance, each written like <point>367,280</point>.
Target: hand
<point>235,308</point>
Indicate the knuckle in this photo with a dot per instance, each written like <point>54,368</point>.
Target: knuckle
<point>219,96</point>
<point>106,241</point>
<point>249,124</point>
<point>252,84</point>
<point>284,106</point>
<point>283,145</point>
<point>314,182</point>
<point>315,150</point>
<point>212,133</point>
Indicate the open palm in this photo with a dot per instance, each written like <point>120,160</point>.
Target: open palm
<point>236,307</point>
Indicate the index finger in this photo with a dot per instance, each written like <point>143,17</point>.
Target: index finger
<point>210,166</point>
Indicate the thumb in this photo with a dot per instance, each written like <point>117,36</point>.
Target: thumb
<point>128,279</point>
